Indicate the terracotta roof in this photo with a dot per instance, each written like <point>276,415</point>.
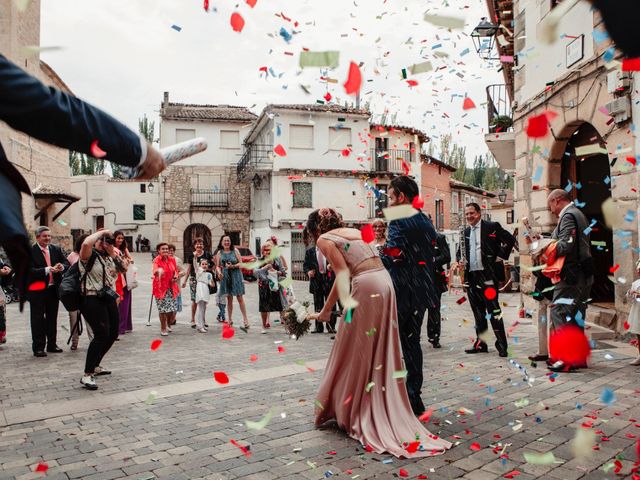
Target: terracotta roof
<point>435,161</point>
<point>48,191</point>
<point>187,111</point>
<point>470,188</point>
<point>317,107</point>
<point>424,138</point>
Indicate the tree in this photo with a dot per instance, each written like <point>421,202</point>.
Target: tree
<point>83,164</point>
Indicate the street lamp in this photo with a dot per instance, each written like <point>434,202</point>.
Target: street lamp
<point>484,37</point>
<point>150,187</point>
<point>502,196</point>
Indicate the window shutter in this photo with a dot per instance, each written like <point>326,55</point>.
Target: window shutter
<point>301,136</point>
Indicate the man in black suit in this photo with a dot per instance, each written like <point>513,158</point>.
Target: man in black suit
<point>408,256</point>
<point>55,117</point>
<point>47,264</point>
<point>320,282</point>
<point>485,244</point>
<point>442,258</point>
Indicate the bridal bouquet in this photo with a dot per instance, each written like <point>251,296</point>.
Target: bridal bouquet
<point>295,319</point>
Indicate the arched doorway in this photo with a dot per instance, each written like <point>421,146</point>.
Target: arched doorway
<point>590,177</point>
<point>193,231</point>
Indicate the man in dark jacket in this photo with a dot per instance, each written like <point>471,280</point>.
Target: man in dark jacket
<point>55,117</point>
<point>486,243</point>
<point>408,255</point>
<point>441,260</point>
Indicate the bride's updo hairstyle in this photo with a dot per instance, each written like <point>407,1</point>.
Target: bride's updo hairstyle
<point>323,220</point>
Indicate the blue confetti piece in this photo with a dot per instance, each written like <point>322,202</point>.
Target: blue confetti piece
<point>503,461</point>
<point>607,397</point>
<point>278,130</point>
<point>285,35</point>
<point>387,461</point>
<point>491,389</point>
<point>579,204</point>
<point>538,420</point>
<point>176,28</point>
<point>579,406</point>
<point>486,402</point>
<point>488,316</point>
<point>515,340</point>
<point>579,319</point>
<point>554,375</point>
<point>592,344</point>
<point>630,216</point>
<point>607,180</point>
<point>569,187</point>
<point>578,185</point>
<point>600,36</point>
<point>464,52</point>
<point>328,474</point>
<point>438,45</point>
<point>272,72</point>
<point>609,54</point>
<point>538,175</point>
<point>476,379</point>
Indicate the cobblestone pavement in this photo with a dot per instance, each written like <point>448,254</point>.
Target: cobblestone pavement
<point>184,429</point>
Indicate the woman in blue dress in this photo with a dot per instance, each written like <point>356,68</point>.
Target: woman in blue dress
<point>228,261</point>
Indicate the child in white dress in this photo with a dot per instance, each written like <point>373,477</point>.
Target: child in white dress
<point>634,314</point>
<point>204,280</point>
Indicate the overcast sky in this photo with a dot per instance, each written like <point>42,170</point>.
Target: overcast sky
<point>123,54</point>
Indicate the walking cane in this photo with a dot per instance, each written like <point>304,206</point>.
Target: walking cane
<point>150,305</point>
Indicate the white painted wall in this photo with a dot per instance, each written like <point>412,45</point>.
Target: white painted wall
<point>545,63</point>
<point>214,155</point>
<point>114,200</point>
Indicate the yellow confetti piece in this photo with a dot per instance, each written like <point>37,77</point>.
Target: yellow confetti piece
<point>330,59</point>
<point>444,21</point>
<point>369,386</point>
<point>399,374</point>
<point>540,458</point>
<point>516,427</point>
<point>318,404</point>
<point>590,150</point>
<point>262,423</point>
<point>583,443</point>
<point>152,397</point>
<point>523,402</point>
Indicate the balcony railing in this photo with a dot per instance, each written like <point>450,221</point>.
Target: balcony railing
<point>209,198</point>
<point>254,155</point>
<point>499,114</point>
<point>389,160</point>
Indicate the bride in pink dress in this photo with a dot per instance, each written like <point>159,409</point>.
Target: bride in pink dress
<point>358,389</point>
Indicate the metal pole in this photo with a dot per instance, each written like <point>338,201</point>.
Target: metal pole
<point>150,305</point>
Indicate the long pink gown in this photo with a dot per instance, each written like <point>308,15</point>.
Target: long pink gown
<point>365,355</point>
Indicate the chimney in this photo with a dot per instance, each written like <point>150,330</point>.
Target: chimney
<point>166,99</point>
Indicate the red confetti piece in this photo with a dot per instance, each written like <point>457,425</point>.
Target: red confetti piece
<point>253,358</point>
<point>422,476</point>
<point>206,5</point>
<point>354,80</point>
<point>155,345</point>
<point>252,3</point>
<point>412,83</point>
<point>475,446</point>
<point>367,233</point>
<point>570,345</point>
<point>328,97</point>
<point>618,467</point>
<point>245,450</point>
<point>280,349</point>
<point>368,448</point>
<point>538,126</point>
<point>512,474</point>
<point>638,450</point>
<point>42,467</point>
<point>417,203</point>
<point>346,152</point>
<point>348,400</point>
<point>348,472</point>
<point>280,151</point>
<point>626,325</point>
<point>391,251</point>
<point>237,22</point>
<point>332,452</point>
<point>37,286</point>
<point>403,473</point>
<point>227,331</point>
<point>461,300</point>
<point>490,293</point>
<point>96,151</point>
<point>468,104</point>
<point>631,65</point>
<point>426,416</point>
<point>412,447</point>
<point>631,160</point>
<point>221,377</point>
<point>614,268</point>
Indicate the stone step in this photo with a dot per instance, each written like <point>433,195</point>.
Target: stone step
<point>598,332</point>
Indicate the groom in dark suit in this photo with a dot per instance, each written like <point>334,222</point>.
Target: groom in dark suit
<point>47,264</point>
<point>485,244</point>
<point>408,255</point>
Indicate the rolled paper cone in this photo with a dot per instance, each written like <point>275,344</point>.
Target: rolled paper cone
<point>300,310</point>
<point>173,154</point>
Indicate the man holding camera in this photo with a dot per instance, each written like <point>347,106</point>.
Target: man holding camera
<point>47,264</point>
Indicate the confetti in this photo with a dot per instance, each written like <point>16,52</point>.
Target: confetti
<point>42,467</point>
<point>423,67</point>
<point>96,151</point>
<point>367,233</point>
<point>444,21</point>
<point>237,22</point>
<point>245,450</point>
<point>490,293</point>
<point>461,300</point>
<point>155,345</point>
<point>583,443</point>
<point>151,397</point>
<point>399,374</point>
<point>475,446</point>
<point>176,28</point>
<point>570,345</point>
<point>252,3</point>
<point>631,64</point>
<point>227,331</point>
<point>372,332</point>
<point>590,150</point>
<point>417,202</point>
<point>354,80</point>
<point>426,416</point>
<point>369,386</point>
<point>280,151</point>
<point>538,126</point>
<point>328,59</point>
<point>37,286</point>
<point>262,423</point>
<point>468,104</point>
<point>280,349</point>
<point>511,474</point>
<point>221,377</point>
<point>403,473</point>
<point>607,397</point>
<point>540,458</point>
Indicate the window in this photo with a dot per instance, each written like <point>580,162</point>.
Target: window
<point>230,139</point>
<point>455,206</point>
<point>439,215</point>
<point>183,134</point>
<point>301,136</point>
<point>139,212</point>
<point>302,195</point>
<point>339,138</point>
<point>143,187</point>
<point>509,216</point>
<point>234,236</point>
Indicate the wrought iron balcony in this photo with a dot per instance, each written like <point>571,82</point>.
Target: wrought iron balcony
<point>255,155</point>
<point>389,160</point>
<point>209,198</point>
<point>499,114</point>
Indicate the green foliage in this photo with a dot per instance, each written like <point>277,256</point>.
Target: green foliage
<point>83,164</point>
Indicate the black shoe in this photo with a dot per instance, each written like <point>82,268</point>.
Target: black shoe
<point>206,326</point>
<point>193,325</point>
<point>330,329</point>
<point>478,348</point>
<point>98,371</point>
<point>39,353</point>
<point>561,366</point>
<point>55,349</point>
<point>538,358</point>
<point>435,342</point>
<point>503,353</point>
<point>417,406</point>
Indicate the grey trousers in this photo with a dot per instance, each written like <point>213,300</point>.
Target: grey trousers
<point>562,313</point>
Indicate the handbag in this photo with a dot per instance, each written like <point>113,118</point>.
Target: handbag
<point>69,290</point>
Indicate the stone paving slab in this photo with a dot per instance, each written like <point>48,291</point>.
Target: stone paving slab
<point>186,431</point>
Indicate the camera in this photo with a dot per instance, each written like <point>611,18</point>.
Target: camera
<point>109,239</point>
<point>108,293</point>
